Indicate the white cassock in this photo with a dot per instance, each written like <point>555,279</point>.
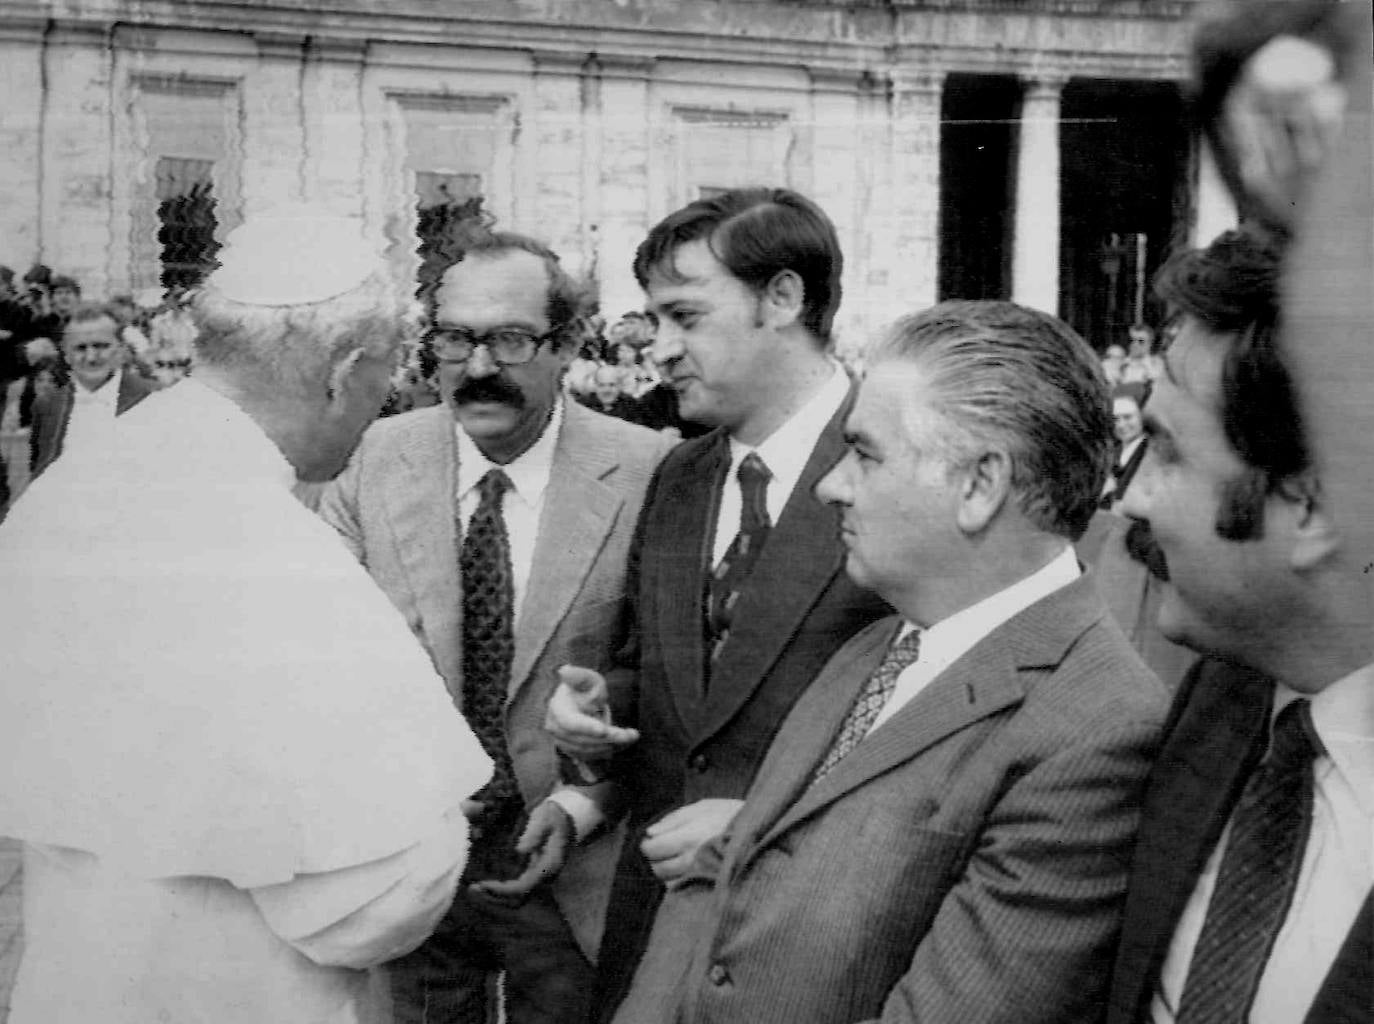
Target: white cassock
<point>236,772</point>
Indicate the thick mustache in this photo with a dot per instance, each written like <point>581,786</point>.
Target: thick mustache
<point>1142,548</point>
<point>488,389</point>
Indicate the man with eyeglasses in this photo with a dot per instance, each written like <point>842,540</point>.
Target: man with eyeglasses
<point>499,523</point>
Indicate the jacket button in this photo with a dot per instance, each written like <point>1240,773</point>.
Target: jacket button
<point>700,762</point>
<point>718,974</point>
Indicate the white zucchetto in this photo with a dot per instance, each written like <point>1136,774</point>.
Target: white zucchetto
<point>293,256</point>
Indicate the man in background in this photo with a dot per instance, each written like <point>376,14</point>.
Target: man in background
<point>234,771</point>
<point>102,383</point>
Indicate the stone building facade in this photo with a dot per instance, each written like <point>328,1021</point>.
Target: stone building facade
<point>938,135</point>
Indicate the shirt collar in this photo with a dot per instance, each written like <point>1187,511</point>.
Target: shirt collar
<point>951,638</point>
<point>106,394</point>
<point>1343,717</point>
<point>1128,449</point>
<point>786,450</point>
<point>528,472</point>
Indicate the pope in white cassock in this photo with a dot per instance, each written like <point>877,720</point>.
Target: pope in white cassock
<point>236,774</point>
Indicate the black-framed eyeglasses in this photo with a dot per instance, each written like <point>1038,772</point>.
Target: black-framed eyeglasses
<point>508,346</point>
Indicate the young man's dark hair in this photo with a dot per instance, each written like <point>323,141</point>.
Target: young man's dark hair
<point>756,233</point>
<point>1232,288</point>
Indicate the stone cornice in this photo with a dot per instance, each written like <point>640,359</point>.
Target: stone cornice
<point>22,29</point>
<point>289,46</point>
<point>337,51</point>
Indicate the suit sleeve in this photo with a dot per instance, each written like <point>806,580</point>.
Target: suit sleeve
<point>1027,933</point>
<point>337,504</point>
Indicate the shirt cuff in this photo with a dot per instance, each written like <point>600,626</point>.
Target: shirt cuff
<point>586,815</point>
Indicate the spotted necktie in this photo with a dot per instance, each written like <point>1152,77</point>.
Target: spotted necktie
<point>876,692</point>
<point>488,648</point>
<point>729,576</point>
<point>1258,873</point>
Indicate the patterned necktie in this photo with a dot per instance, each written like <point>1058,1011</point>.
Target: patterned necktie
<point>729,576</point>
<point>876,692</point>
<point>489,646</point>
<point>1258,873</point>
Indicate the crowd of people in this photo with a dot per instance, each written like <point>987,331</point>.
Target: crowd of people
<point>868,702</point>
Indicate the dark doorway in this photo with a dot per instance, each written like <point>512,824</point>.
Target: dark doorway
<point>1124,152</point>
<point>977,135</point>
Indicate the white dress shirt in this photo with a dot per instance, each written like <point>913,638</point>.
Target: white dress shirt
<point>521,505</point>
<point>235,770</point>
<point>93,413</point>
<point>945,642</point>
<point>785,452</point>
<point>1337,865</point>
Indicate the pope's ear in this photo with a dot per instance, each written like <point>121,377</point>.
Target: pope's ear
<point>342,370</point>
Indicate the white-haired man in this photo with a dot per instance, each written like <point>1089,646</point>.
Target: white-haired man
<point>236,776</point>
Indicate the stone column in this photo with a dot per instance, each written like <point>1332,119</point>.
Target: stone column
<point>622,109</point>
<point>1214,210</point>
<point>1035,257</point>
<point>76,154</point>
<point>835,147</point>
<point>912,209</point>
<point>333,124</point>
<point>274,168</point>
<point>558,154</point>
<point>21,134</point>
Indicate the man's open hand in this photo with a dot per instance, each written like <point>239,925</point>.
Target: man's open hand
<point>545,842</point>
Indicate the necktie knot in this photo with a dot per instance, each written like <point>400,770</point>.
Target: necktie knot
<point>493,485</point>
<point>872,698</point>
<point>753,476</point>
<point>1294,743</point>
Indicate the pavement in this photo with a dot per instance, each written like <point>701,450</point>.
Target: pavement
<point>11,930</point>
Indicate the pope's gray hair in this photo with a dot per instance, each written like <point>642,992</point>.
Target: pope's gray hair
<point>294,348</point>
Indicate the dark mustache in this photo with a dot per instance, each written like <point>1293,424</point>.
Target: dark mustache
<point>1142,548</point>
<point>488,389</point>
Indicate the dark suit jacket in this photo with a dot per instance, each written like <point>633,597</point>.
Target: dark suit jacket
<point>701,738</point>
<point>53,411</point>
<point>967,862</point>
<point>1216,735</point>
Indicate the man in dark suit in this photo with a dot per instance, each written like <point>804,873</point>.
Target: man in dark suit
<point>103,384</point>
<point>941,829</point>
<point>1250,888</point>
<point>742,595</point>
<point>413,506</point>
<point>1127,401</point>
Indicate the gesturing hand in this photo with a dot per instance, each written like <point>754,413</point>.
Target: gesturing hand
<point>578,716</point>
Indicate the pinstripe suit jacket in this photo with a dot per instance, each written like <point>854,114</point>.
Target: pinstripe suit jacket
<point>967,862</point>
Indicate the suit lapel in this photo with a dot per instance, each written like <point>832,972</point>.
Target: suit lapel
<point>578,513</point>
<point>1195,783</point>
<point>799,560</point>
<point>685,536</point>
<point>423,516</point>
<point>983,682</point>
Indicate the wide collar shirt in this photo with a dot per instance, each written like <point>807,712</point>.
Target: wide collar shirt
<point>1334,878</point>
<point>93,413</point>
<point>785,452</point>
<point>945,642</point>
<point>522,504</point>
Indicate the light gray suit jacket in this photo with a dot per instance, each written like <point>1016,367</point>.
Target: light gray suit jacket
<point>396,507</point>
<point>966,863</point>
